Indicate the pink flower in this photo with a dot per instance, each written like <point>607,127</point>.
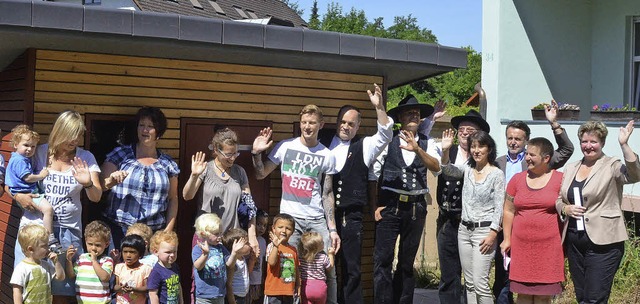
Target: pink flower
<point>595,107</point>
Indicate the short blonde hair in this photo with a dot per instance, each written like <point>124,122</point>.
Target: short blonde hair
<point>23,130</point>
<point>312,109</point>
<point>98,229</point>
<point>310,244</point>
<point>31,235</point>
<point>160,236</point>
<point>142,230</point>
<point>598,128</point>
<point>207,224</point>
<point>68,126</point>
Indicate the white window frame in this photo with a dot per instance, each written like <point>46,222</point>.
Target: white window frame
<point>634,79</point>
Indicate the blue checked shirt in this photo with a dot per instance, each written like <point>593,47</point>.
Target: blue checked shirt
<point>143,195</point>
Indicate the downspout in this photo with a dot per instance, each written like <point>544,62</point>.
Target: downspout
<point>482,99</point>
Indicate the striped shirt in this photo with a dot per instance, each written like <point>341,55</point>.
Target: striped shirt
<point>315,270</point>
<point>143,195</point>
<point>89,288</point>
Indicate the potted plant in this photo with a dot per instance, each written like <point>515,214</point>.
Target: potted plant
<point>566,111</point>
<point>606,112</point>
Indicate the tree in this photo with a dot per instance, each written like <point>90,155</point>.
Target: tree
<point>314,19</point>
<point>454,87</point>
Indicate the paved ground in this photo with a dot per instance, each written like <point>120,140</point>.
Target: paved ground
<point>425,296</point>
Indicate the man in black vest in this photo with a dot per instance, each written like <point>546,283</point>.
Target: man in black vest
<point>449,192</point>
<point>354,155</point>
<point>402,211</point>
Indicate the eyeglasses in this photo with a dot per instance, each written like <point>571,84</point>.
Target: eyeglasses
<point>467,130</point>
<point>230,155</point>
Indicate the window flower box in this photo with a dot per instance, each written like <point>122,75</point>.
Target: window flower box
<point>565,112</point>
<point>606,112</point>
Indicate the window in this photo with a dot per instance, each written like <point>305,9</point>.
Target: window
<point>241,12</point>
<point>91,2</point>
<point>635,63</point>
<point>252,14</point>
<point>196,4</point>
<point>217,8</point>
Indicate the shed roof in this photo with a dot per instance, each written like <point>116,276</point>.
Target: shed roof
<point>205,8</point>
<point>61,26</point>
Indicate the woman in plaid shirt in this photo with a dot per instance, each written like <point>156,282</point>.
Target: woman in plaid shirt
<point>143,180</point>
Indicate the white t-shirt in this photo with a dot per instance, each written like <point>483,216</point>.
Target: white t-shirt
<point>302,170</point>
<point>62,190</point>
<point>371,146</point>
<point>240,282</point>
<point>35,280</point>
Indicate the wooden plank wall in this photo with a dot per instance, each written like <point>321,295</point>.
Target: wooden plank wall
<point>16,102</point>
<point>110,84</point>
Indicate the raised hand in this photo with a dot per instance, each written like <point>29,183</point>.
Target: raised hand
<point>376,96</point>
<point>81,171</point>
<point>70,253</point>
<point>238,244</point>
<point>408,136</point>
<point>198,163</point>
<point>625,133</point>
<point>263,141</point>
<point>275,239</point>
<point>551,111</point>
<point>118,176</point>
<point>447,138</point>
<point>438,110</point>
<point>204,246</point>
<point>115,255</point>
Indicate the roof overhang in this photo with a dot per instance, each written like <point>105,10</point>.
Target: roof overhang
<point>60,26</point>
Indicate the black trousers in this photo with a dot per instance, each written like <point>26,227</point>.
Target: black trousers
<point>407,221</point>
<point>592,266</point>
<point>349,226</point>
<point>501,287</point>
<point>450,289</point>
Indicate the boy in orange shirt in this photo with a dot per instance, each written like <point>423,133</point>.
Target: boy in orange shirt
<point>281,284</point>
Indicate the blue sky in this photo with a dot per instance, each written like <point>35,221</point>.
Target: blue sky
<point>456,23</point>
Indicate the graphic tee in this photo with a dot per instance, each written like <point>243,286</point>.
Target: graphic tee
<point>281,278</point>
<point>302,170</point>
<point>167,282</point>
<point>35,280</point>
<point>211,279</point>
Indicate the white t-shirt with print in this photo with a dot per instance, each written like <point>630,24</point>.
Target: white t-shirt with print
<point>35,280</point>
<point>302,170</point>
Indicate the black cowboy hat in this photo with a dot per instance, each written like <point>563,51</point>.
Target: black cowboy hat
<point>410,102</point>
<point>471,116</point>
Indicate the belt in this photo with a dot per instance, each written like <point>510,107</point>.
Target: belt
<point>473,225</point>
<point>405,198</point>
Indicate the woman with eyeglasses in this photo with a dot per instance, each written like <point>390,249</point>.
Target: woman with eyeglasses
<point>225,185</point>
<point>143,180</point>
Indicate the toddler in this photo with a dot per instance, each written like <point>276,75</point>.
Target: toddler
<point>164,280</point>
<point>93,269</point>
<point>243,260</point>
<point>255,277</point>
<point>31,278</point>
<point>131,275</point>
<point>313,266</point>
<point>145,232</point>
<point>210,260</point>
<point>21,179</point>
<point>282,262</point>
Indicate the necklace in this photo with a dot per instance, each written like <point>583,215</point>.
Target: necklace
<point>222,172</point>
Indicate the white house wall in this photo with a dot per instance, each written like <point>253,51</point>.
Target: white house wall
<point>571,50</point>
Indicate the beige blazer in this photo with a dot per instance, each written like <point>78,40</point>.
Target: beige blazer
<point>602,196</point>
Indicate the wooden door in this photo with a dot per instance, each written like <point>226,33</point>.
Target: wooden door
<point>196,135</point>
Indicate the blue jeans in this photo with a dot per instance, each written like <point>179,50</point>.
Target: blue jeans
<point>407,221</point>
<point>67,236</point>
<point>320,226</point>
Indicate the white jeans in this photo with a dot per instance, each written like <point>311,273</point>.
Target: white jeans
<point>475,265</point>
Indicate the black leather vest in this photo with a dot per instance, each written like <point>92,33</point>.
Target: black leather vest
<point>397,175</point>
<point>350,185</point>
<point>449,190</point>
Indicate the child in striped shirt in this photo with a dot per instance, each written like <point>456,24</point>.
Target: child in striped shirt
<point>93,269</point>
<point>313,266</point>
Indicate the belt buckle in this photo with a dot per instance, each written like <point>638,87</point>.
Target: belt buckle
<point>403,198</point>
